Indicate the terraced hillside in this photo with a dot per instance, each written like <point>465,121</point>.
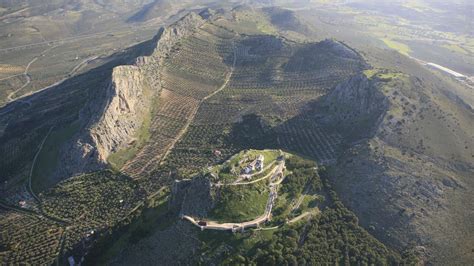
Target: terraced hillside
<point>216,76</point>
<point>273,79</point>
<point>200,67</point>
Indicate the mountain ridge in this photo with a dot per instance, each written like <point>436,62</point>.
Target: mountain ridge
<point>130,92</point>
<point>393,140</point>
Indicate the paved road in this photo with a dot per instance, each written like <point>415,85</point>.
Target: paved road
<point>301,216</point>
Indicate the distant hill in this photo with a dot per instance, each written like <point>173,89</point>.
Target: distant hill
<point>286,19</point>
<point>158,8</point>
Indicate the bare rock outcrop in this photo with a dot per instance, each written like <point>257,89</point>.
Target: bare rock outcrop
<point>115,118</point>
<point>123,116</point>
<point>182,28</point>
<point>127,100</point>
<point>358,96</point>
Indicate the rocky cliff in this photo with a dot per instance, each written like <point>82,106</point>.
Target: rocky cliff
<point>119,113</point>
<point>176,32</point>
<point>355,98</point>
<point>126,107</point>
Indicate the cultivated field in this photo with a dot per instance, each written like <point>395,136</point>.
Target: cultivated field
<point>200,66</point>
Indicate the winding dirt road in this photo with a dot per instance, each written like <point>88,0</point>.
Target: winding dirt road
<point>76,69</point>
<point>28,80</point>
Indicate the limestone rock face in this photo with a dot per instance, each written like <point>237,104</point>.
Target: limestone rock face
<point>180,29</point>
<point>127,102</point>
<point>124,113</point>
<point>116,116</point>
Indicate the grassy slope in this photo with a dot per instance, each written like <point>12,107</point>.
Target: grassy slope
<point>240,203</point>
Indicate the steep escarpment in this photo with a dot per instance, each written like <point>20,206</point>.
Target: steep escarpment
<point>129,100</point>
<point>120,113</point>
<point>358,96</point>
